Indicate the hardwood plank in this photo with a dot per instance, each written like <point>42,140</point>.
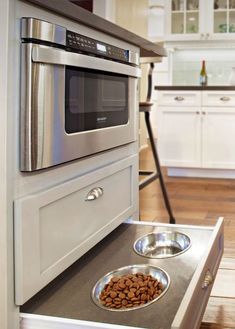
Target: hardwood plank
<point>227,263</point>
<point>229,249</point>
<point>224,285</point>
<point>219,311</point>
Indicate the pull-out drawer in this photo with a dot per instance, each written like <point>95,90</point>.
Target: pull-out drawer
<point>55,227</point>
<point>218,98</point>
<point>179,98</point>
<point>68,303</point>
<point>194,303</point>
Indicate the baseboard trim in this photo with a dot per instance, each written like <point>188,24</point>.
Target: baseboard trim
<point>201,173</point>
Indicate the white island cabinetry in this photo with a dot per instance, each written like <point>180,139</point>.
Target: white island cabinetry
<point>178,118</point>
<point>197,138</point>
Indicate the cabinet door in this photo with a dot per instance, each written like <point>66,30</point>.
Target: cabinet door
<point>224,19</point>
<point>179,136</point>
<point>184,19</point>
<point>218,138</point>
<point>220,20</point>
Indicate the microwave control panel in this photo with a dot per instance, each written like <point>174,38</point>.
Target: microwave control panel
<point>78,42</point>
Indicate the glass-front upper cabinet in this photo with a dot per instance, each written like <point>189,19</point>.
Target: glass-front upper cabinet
<point>200,20</point>
<point>224,16</point>
<point>184,16</point>
<point>183,19</point>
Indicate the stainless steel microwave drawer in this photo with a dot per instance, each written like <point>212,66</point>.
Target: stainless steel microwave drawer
<point>67,302</point>
<point>57,226</point>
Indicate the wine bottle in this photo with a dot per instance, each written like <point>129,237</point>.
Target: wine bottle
<point>203,74</point>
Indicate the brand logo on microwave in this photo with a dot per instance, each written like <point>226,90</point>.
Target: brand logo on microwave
<point>101,119</point>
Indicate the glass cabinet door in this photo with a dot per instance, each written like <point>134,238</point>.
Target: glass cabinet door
<point>224,16</point>
<point>184,16</point>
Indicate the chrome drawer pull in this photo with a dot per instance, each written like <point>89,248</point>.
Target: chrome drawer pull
<point>225,98</point>
<point>179,98</point>
<point>208,280</point>
<point>94,194</point>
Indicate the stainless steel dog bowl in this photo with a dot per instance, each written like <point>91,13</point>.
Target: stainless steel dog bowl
<point>155,272</point>
<point>162,245</point>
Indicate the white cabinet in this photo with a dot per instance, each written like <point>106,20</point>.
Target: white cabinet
<point>57,226</point>
<point>179,123</point>
<point>221,22</point>
<point>199,136</point>
<point>179,136</point>
<point>218,138</point>
<point>218,133</point>
<point>200,20</point>
<point>183,19</point>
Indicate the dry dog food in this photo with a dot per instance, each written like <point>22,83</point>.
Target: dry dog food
<point>130,290</point>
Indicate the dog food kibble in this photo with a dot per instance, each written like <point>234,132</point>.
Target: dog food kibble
<point>130,291</point>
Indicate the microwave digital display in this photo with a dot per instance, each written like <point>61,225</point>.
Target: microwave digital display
<point>101,47</point>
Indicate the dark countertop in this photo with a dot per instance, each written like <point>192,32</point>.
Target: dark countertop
<point>76,13</point>
<point>194,87</point>
<point>69,295</point>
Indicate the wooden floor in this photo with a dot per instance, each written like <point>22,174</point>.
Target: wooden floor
<point>200,202</point>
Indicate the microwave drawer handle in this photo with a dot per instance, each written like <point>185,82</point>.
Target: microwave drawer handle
<point>49,55</point>
<point>94,194</point>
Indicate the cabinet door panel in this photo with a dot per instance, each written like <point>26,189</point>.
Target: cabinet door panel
<point>184,20</point>
<point>55,227</point>
<point>179,137</point>
<point>218,138</point>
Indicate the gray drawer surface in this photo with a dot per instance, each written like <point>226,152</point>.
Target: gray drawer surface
<point>69,296</point>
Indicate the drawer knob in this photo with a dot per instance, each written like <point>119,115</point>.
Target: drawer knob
<point>225,98</point>
<point>94,194</point>
<point>208,280</point>
<point>179,98</point>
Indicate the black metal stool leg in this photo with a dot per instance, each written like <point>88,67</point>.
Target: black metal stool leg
<point>157,163</point>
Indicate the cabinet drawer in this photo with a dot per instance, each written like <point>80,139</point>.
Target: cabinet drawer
<point>68,304</point>
<point>180,98</point>
<point>218,98</point>
<point>57,226</point>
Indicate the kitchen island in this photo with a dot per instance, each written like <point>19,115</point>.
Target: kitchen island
<point>82,16</point>
<point>79,179</point>
<point>196,130</point>
<point>52,217</point>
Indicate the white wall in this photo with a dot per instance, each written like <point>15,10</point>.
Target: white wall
<point>105,9</point>
<point>133,16</point>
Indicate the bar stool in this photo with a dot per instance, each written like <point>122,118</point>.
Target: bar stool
<point>145,107</point>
